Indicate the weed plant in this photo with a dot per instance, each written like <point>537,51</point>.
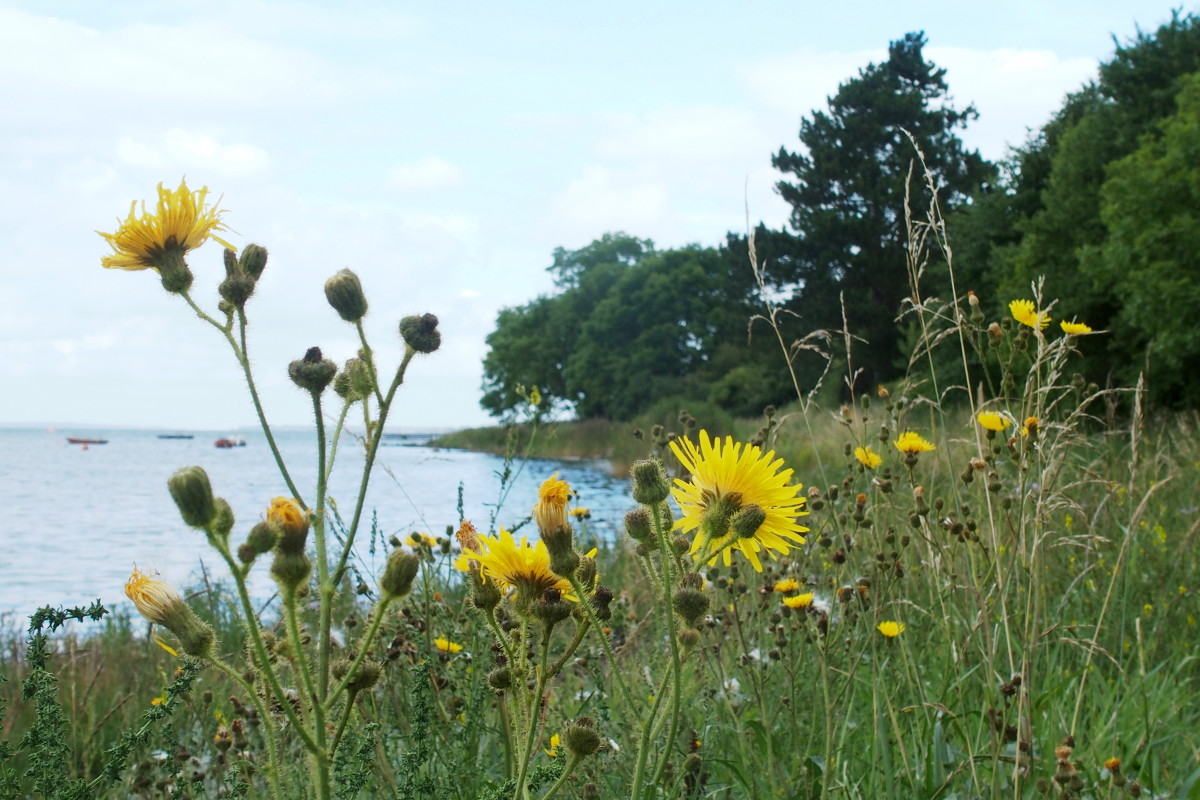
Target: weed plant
<point>994,598</point>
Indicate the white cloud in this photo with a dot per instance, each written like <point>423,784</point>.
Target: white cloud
<point>428,174</point>
<point>698,132</point>
<point>605,200</point>
<point>188,150</point>
<point>799,82</point>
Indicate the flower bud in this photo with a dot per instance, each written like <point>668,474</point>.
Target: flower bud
<point>748,520</point>
<point>161,603</point>
<point>192,493</point>
<point>500,679</point>
<point>690,605</point>
<point>253,260</point>
<point>236,289</point>
<point>222,521</point>
<point>587,573</point>
<point>261,539</point>
<point>312,373</point>
<point>601,599</point>
<point>231,262</point>
<point>650,485</point>
<point>581,738</point>
<point>637,524</point>
<point>290,570</point>
<point>290,524</point>
<point>399,573</point>
<point>484,594</point>
<point>345,294</point>
<point>551,609</point>
<point>421,333</point>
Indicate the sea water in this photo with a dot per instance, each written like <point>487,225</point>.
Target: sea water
<point>77,519</point>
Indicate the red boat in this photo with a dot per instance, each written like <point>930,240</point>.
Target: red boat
<point>75,440</point>
<point>223,442</point>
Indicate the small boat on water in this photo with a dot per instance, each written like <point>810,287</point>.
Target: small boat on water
<point>224,442</point>
<point>77,440</point>
<point>176,436</point>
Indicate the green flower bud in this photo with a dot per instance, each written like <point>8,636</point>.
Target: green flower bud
<point>262,537</point>
<point>600,600</point>
<point>689,638</point>
<point>551,609</point>
<point>192,493</point>
<point>253,260</point>
<point>399,573</point>
<point>312,373</point>
<point>236,289</point>
<point>581,738</point>
<point>638,525</point>
<point>500,679</point>
<point>222,521</point>
<point>484,594</point>
<point>231,262</point>
<point>290,570</point>
<point>650,485</point>
<point>366,676</point>
<point>345,294</point>
<point>587,572</point>
<point>748,520</point>
<point>421,333</point>
<point>690,605</point>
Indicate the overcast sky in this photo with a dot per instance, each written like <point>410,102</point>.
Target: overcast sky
<point>440,152</point>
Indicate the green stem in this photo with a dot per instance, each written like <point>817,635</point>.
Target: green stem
<point>535,703</point>
<point>373,447</point>
<point>590,613</point>
<point>364,645</point>
<point>264,661</point>
<point>268,728</point>
<point>337,437</point>
<point>341,727</point>
<point>572,761</point>
<point>369,360</point>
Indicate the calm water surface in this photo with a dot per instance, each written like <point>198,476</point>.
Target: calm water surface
<point>76,520</point>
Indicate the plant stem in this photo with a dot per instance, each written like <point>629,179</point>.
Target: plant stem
<point>363,646</point>
<point>268,728</point>
<point>572,761</point>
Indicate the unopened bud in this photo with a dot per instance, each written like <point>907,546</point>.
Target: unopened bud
<point>345,294</point>
<point>421,333</point>
<point>192,493</point>
<point>650,485</point>
<point>290,570</point>
<point>638,525</point>
<point>312,373</point>
<point>748,520</point>
<point>581,738</point>
<point>398,575</point>
<point>253,260</point>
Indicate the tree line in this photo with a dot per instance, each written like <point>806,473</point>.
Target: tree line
<point>1103,201</point>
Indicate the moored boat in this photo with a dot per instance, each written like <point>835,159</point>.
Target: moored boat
<point>226,442</point>
<point>176,436</point>
<point>77,440</point>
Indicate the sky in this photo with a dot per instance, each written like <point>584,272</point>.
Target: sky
<point>441,151</point>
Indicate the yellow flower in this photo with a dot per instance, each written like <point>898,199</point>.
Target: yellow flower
<point>446,646</point>
<point>535,397</point>
<point>891,629</point>
<point>1112,764</point>
<point>158,701</point>
<point>787,585</point>
<point>799,600</point>
<point>416,539</point>
<point>1025,312</point>
<point>1074,328</point>
<point>287,513</point>
<point>550,511</point>
<point>912,443</point>
<point>555,741</point>
<point>1029,426</point>
<point>156,600</point>
<point>737,499</point>
<point>867,457</point>
<point>508,563</point>
<point>992,421</point>
<point>579,512</point>
<point>182,223</point>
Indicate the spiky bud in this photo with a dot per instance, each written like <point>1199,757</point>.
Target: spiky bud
<point>421,332</point>
<point>312,373</point>
<point>192,493</point>
<point>345,294</point>
<point>398,575</point>
<point>650,486</point>
<point>253,260</point>
<point>290,570</point>
<point>690,605</point>
<point>581,738</point>
<point>748,520</point>
<point>236,289</point>
<point>638,525</point>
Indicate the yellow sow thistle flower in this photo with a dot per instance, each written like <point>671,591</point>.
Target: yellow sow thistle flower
<point>992,421</point>
<point>1026,313</point>
<point>446,646</point>
<point>787,585</point>
<point>1074,328</point>
<point>507,563</point>
<point>160,240</point>
<point>555,741</point>
<point>550,511</point>
<point>736,499</point>
<point>162,604</point>
<point>799,600</point>
<point>891,629</point>
<point>911,443</point>
<point>867,457</point>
